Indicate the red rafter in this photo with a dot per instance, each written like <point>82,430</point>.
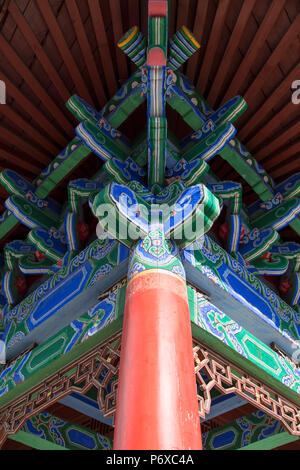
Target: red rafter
<point>277,54</point>
<point>198,31</point>
<point>268,104</point>
<point>103,46</point>
<point>35,113</point>
<point>118,31</point>
<point>39,52</point>
<point>260,37</point>
<point>34,84</point>
<point>63,48</point>
<point>212,45</point>
<point>86,50</point>
<point>231,49</point>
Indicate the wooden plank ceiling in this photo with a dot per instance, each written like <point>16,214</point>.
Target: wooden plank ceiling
<point>51,49</point>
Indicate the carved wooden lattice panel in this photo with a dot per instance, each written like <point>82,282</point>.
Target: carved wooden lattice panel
<point>212,371</point>
<point>99,368</point>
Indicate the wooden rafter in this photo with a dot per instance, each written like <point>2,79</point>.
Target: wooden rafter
<point>63,48</point>
<point>269,103</point>
<point>10,137</point>
<point>183,8</point>
<point>212,45</point>
<point>13,91</point>
<point>283,156</point>
<point>273,124</point>
<point>39,51</point>
<point>283,170</point>
<point>268,68</point>
<point>103,46</point>
<point>118,32</point>
<point>21,162</point>
<point>231,49</point>
<point>265,28</point>
<point>278,142</point>
<point>34,84</point>
<point>87,53</point>
<point>198,30</point>
<point>30,131</point>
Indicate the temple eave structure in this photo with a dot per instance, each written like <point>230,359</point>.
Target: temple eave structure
<point>152,304</point>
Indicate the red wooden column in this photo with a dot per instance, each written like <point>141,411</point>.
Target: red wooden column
<point>157,404</point>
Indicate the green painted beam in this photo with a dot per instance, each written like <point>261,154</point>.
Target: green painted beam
<point>9,224</point>
<point>243,363</point>
<point>62,170</point>
<point>35,442</point>
<point>271,442</point>
<point>73,354</point>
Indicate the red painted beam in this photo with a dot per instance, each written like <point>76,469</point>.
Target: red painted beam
<point>279,142</point>
<point>17,141</point>
<point>278,53</point>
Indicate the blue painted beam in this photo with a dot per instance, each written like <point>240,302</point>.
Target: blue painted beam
<point>236,310</point>
<point>69,312</point>
<point>86,406</point>
<point>223,404</point>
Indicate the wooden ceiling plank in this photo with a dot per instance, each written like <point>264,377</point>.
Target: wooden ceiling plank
<point>268,104</point>
<point>283,171</point>
<point>21,162</point>
<point>263,31</point>
<point>144,18</point>
<point>64,50</point>
<point>24,125</point>
<point>268,68</point>
<point>277,143</point>
<point>212,45</point>
<point>16,141</point>
<point>34,84</point>
<point>35,113</point>
<point>233,44</point>
<point>265,132</point>
<point>172,17</point>
<point>103,47</point>
<point>39,51</point>
<point>183,8</point>
<point>118,32</point>
<point>134,20</point>
<point>282,156</point>
<point>85,47</point>
<point>198,31</point>
<point>271,126</point>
